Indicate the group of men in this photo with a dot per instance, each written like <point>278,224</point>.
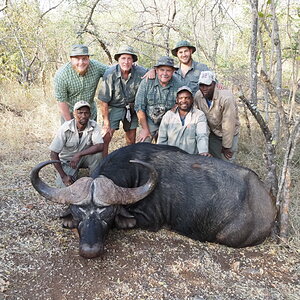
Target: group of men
<point>180,106</point>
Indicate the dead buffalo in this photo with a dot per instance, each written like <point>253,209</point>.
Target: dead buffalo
<point>150,186</point>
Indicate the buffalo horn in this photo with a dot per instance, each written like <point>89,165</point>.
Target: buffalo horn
<point>78,193</point>
<point>106,192</point>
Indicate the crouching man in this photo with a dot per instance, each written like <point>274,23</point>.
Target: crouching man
<point>77,144</point>
<point>185,126</point>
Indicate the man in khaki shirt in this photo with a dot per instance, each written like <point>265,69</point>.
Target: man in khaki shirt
<point>77,144</point>
<point>220,109</point>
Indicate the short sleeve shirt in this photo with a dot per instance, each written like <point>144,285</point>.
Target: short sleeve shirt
<point>154,99</point>
<point>70,87</point>
<point>67,141</point>
<point>116,91</point>
<point>192,76</point>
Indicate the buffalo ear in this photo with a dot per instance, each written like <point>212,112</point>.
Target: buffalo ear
<point>124,220</point>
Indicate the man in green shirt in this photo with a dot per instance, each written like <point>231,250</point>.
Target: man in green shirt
<point>155,97</point>
<point>77,81</point>
<point>117,95</point>
<point>189,70</point>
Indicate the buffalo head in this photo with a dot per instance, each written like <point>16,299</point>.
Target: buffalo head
<point>94,204</point>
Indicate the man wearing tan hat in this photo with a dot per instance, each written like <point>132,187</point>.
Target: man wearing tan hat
<point>77,81</point>
<point>77,144</point>
<point>221,112</point>
<point>186,126</point>
<point>117,95</point>
<point>189,70</point>
<point>155,97</point>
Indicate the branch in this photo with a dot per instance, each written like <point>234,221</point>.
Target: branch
<point>51,8</point>
<point>271,178</point>
<point>90,15</point>
<point>5,6</point>
<point>263,126</point>
<point>288,156</point>
<point>102,44</point>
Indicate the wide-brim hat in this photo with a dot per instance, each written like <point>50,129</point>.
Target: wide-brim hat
<point>80,104</point>
<point>78,50</point>
<point>126,50</point>
<point>165,61</point>
<point>183,44</point>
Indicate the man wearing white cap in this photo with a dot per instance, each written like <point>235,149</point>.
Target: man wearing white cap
<point>185,127</point>
<point>221,111</point>
<point>77,81</point>
<point>77,144</point>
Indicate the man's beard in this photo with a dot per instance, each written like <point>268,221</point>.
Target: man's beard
<point>80,72</point>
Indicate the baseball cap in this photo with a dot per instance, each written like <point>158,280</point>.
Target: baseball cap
<point>207,77</point>
<point>184,88</point>
<point>80,104</point>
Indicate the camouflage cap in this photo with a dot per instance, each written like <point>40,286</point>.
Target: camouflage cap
<point>184,88</point>
<point>183,44</point>
<point>207,77</point>
<point>165,61</point>
<point>78,50</point>
<point>126,50</point>
<point>80,104</point>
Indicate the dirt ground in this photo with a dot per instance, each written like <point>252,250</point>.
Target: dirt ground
<point>39,259</point>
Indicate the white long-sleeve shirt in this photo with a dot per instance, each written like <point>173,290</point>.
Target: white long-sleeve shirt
<point>191,137</point>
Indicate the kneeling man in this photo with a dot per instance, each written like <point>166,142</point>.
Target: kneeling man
<point>185,126</point>
<point>77,144</point>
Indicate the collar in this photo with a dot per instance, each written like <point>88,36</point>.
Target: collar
<point>119,73</point>
<point>157,83</point>
<point>191,67</point>
<point>71,125</point>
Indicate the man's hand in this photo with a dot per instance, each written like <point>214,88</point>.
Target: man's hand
<point>75,160</point>
<point>227,153</point>
<point>143,134</point>
<point>67,180</point>
<point>205,154</point>
<point>220,86</point>
<point>150,74</point>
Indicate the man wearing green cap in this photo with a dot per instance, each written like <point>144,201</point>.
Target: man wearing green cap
<point>77,81</point>
<point>117,95</point>
<point>189,70</point>
<point>155,97</point>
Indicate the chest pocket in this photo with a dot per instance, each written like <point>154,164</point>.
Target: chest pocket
<point>71,141</point>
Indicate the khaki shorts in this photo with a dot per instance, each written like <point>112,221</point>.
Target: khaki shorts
<point>117,114</point>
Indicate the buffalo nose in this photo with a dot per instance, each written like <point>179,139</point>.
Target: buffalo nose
<point>88,251</point>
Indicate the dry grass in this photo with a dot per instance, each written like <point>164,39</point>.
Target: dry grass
<point>39,259</point>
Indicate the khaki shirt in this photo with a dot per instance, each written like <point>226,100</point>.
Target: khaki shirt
<point>222,115</point>
<point>191,137</point>
<point>67,142</point>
